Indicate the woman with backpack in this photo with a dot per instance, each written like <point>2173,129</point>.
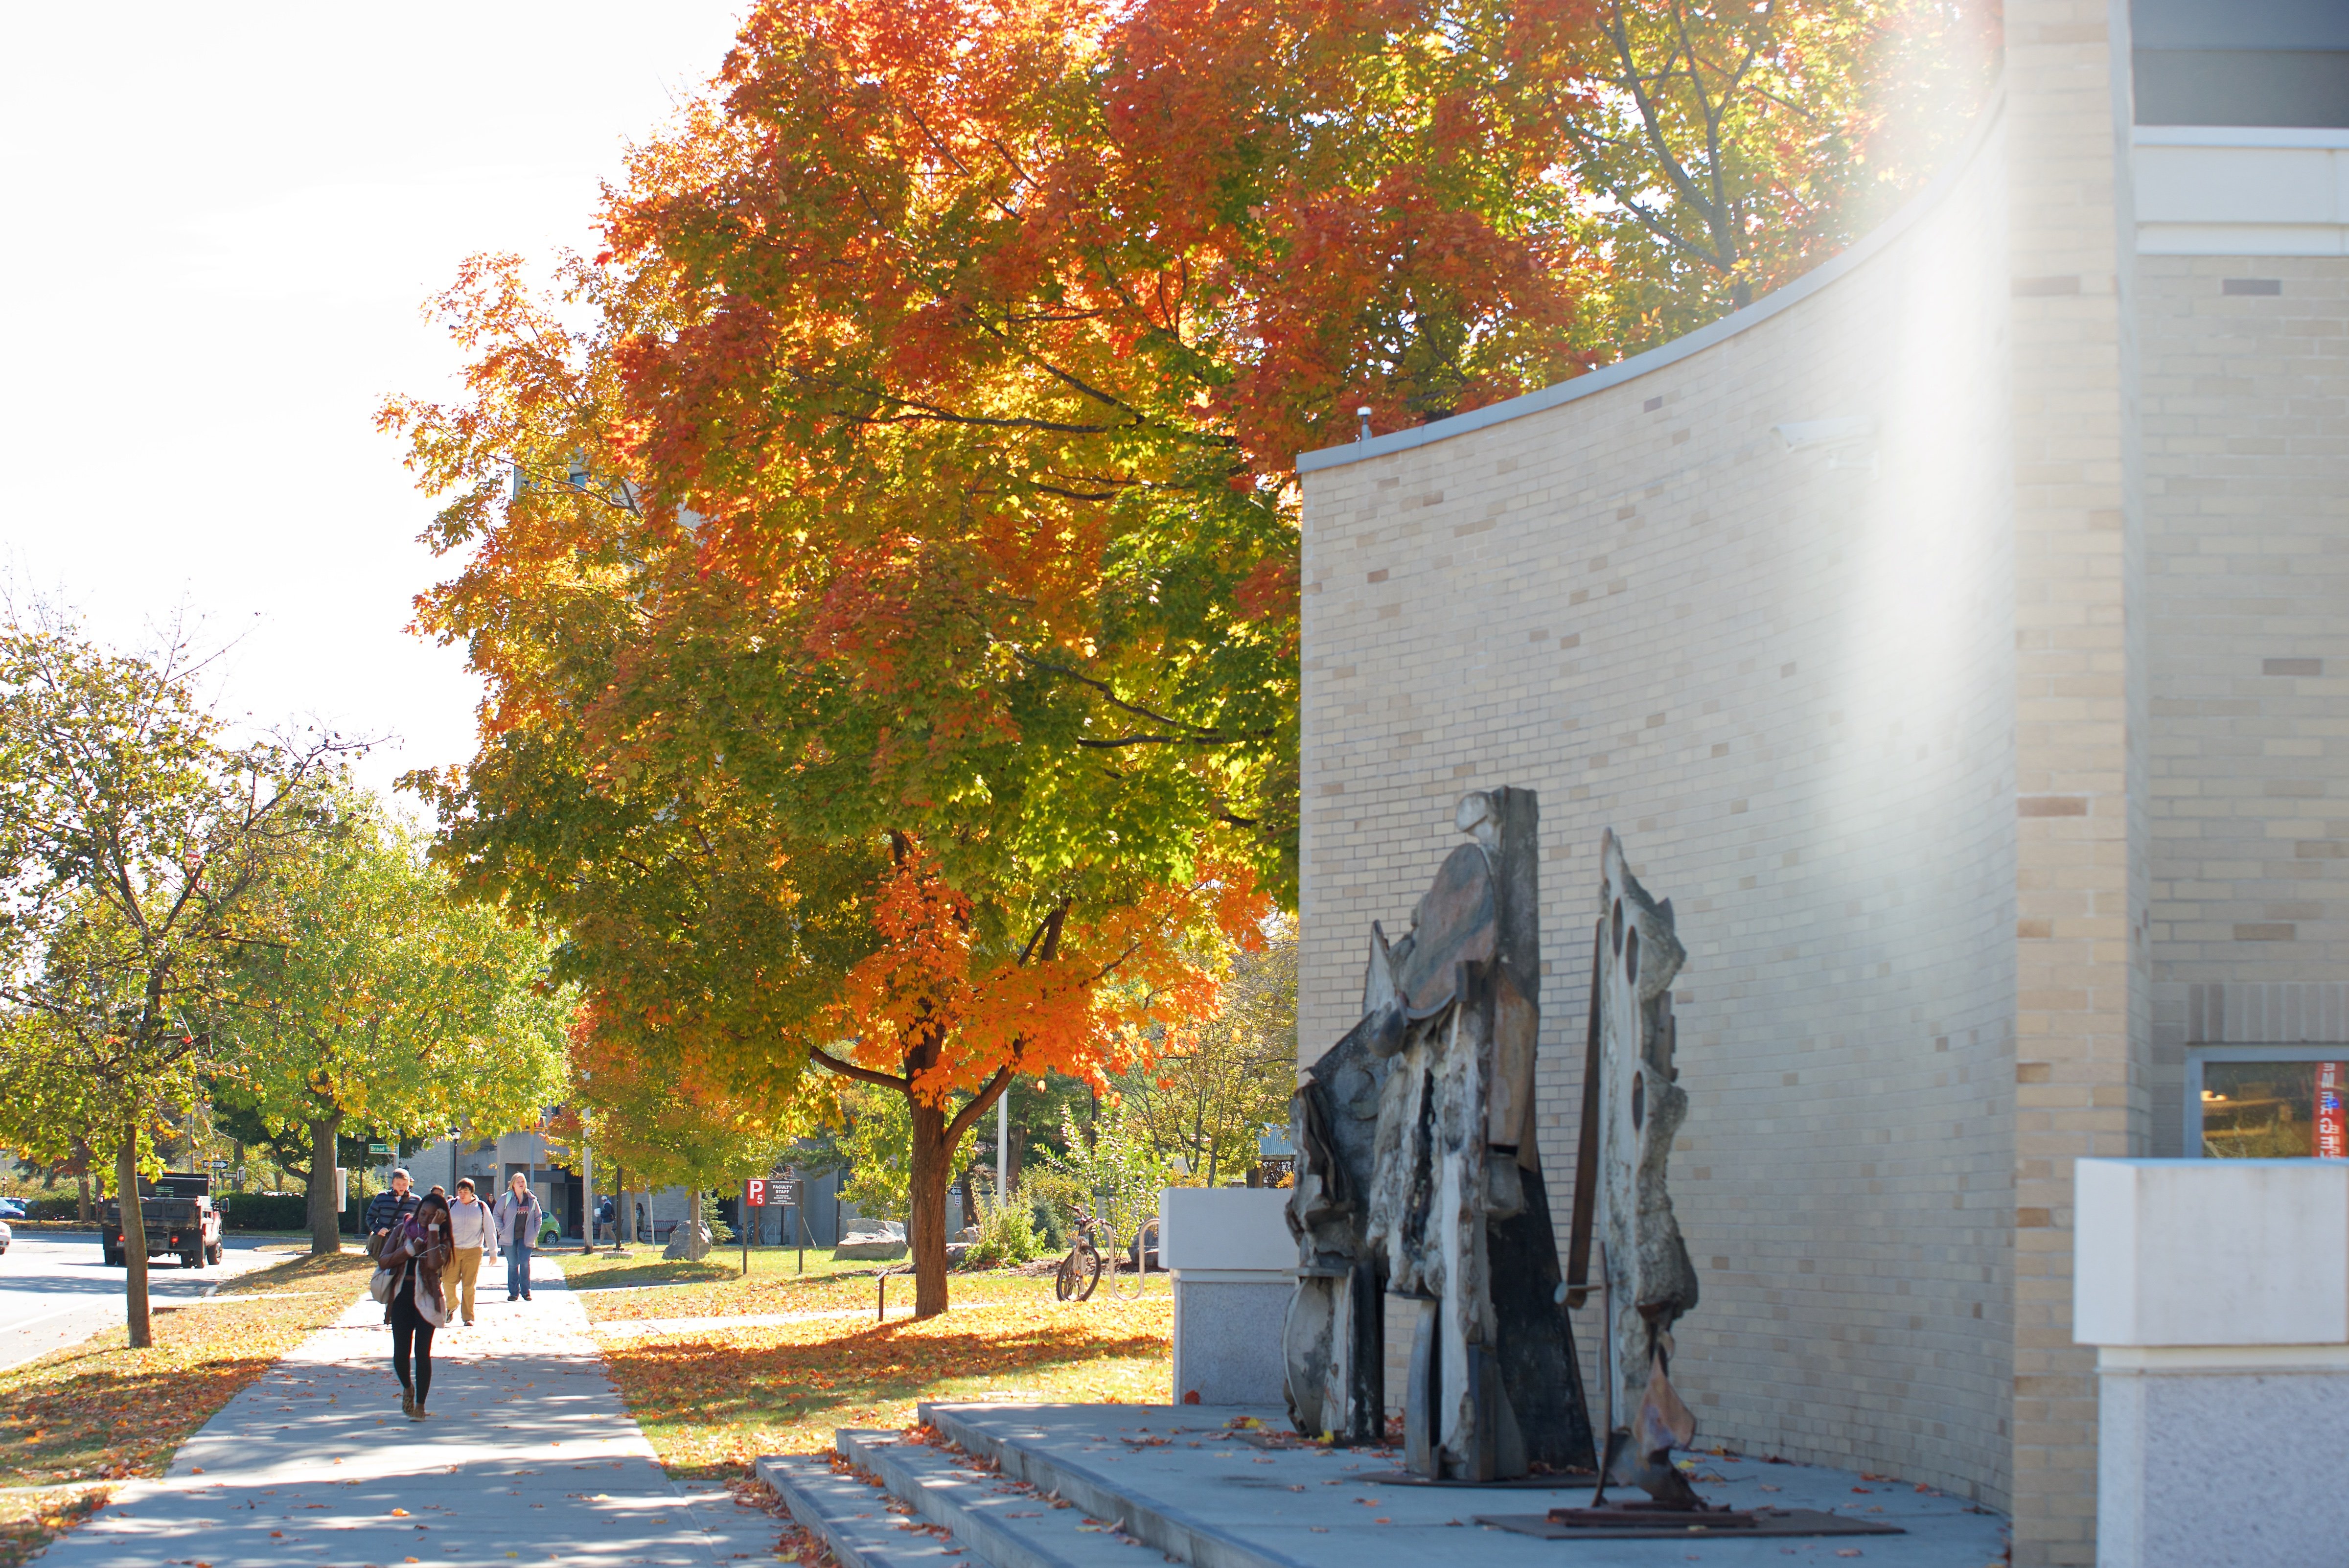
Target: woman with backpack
<point>414,1255</point>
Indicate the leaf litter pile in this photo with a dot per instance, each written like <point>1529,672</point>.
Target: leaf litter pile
<point>711,1401</point>
<point>98,1411</point>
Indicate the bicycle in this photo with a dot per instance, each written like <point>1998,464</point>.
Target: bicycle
<point>1081,1271</point>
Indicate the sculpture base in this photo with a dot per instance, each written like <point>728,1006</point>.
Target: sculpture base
<point>1532,1483</point>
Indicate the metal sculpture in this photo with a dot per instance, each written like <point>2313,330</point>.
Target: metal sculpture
<point>1633,1106</point>
<point>1417,1176</point>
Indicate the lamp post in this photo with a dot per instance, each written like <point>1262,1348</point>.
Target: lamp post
<point>586,1185</point>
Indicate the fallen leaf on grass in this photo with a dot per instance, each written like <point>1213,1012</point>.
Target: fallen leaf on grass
<point>713,1401</point>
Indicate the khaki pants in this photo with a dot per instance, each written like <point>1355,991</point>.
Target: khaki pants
<point>457,1280</point>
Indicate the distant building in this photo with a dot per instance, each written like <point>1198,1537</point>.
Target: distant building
<point>1960,639</point>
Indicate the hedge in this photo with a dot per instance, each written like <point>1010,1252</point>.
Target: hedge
<point>264,1211</point>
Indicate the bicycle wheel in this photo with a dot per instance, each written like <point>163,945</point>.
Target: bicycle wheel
<point>1065,1281</point>
<point>1087,1261</point>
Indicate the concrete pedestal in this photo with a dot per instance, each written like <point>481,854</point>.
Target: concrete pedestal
<point>2217,1294</point>
<point>1235,1269</point>
<point>2216,1457</point>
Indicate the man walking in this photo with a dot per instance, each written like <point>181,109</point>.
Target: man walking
<point>519,1218</point>
<point>385,1211</point>
<point>473,1230</point>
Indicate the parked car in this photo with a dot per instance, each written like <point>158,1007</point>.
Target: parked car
<point>178,1214</point>
<point>5,1237</point>
<point>12,1208</point>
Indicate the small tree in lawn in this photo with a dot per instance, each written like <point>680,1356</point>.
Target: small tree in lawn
<point>137,849</point>
<point>388,1004</point>
<point>1207,1093</point>
<point>661,1117</point>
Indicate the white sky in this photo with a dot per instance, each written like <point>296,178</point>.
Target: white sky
<point>220,224</point>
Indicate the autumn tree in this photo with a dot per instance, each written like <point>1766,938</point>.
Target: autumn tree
<point>882,556</point>
<point>137,849</point>
<point>386,1004</point>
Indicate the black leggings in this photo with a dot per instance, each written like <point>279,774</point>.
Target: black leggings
<point>409,1327</point>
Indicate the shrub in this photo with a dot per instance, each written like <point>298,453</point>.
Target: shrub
<point>65,1207</point>
<point>1005,1236</point>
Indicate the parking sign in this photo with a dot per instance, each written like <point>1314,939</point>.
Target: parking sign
<point>758,1194</point>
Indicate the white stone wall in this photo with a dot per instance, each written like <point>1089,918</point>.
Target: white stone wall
<point>1788,678</point>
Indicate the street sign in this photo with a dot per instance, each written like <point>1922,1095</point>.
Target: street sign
<point>379,1149</point>
<point>773,1191</point>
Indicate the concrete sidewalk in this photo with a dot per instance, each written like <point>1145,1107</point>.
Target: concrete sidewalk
<point>529,1456</point>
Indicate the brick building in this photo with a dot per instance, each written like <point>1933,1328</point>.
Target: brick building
<point>1961,638</point>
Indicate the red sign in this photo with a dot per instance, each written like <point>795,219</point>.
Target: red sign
<point>758,1198</point>
<point>2332,1120</point>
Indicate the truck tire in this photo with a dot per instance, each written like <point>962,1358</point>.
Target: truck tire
<point>213,1253</point>
<point>114,1259</point>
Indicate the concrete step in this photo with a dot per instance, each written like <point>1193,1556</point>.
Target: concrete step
<point>1185,1535</point>
<point>854,1518</point>
<point>1005,1522</point>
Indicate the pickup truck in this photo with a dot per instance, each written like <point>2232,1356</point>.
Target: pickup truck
<point>177,1210</point>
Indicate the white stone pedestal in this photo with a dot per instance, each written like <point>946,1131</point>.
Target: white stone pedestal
<point>2217,1294</point>
<point>1235,1268</point>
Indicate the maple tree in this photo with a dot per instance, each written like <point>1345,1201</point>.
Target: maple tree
<point>883,553</point>
<point>383,1002</point>
<point>137,849</point>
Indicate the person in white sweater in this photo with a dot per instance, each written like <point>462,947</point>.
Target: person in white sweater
<point>472,1231</point>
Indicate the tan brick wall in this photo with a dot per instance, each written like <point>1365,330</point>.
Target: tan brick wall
<point>2080,954</point>
<point>1789,678</point>
<point>2246,407</point>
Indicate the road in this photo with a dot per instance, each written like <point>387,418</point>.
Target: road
<point>55,1290</point>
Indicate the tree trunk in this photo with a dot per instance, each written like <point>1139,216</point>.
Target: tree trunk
<point>325,1220</point>
<point>134,1243</point>
<point>926,1222</point>
<point>82,1197</point>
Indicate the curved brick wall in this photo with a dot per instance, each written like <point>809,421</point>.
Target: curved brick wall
<point>1788,677</point>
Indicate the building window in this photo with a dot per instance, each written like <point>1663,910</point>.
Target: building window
<point>2267,1102</point>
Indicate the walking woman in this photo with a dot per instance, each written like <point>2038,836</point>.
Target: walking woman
<point>416,1252</point>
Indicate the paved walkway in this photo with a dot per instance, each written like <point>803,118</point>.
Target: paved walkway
<point>528,1456</point>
